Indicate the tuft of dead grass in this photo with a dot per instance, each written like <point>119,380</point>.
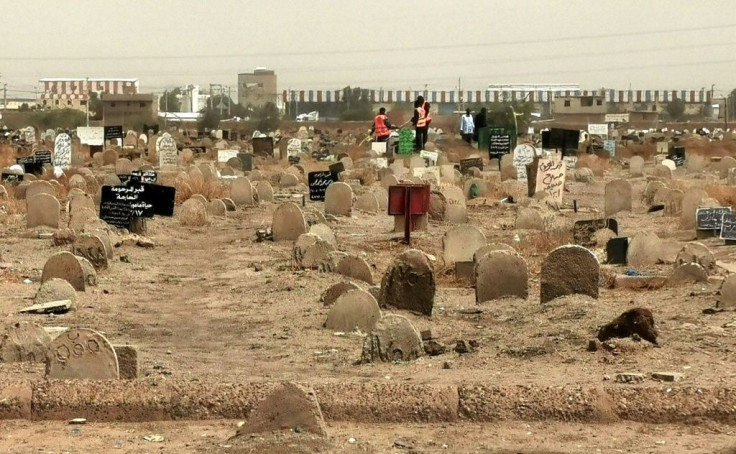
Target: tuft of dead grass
<point>725,195</point>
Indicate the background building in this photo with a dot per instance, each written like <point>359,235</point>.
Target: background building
<point>119,108</point>
<point>74,93</point>
<point>257,88</point>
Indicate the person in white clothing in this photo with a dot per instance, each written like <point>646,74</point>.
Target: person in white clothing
<point>467,126</point>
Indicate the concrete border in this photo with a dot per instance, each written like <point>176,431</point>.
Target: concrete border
<point>158,400</point>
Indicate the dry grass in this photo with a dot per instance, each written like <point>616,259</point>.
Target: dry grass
<point>725,195</point>
<point>535,247</point>
<point>186,189</point>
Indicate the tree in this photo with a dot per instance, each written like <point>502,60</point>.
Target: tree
<point>356,105</point>
<point>676,108</point>
<point>95,106</point>
<point>267,117</point>
<point>24,107</point>
<point>169,102</point>
<point>210,118</point>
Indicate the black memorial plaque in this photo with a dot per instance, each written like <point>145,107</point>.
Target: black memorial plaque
<point>499,144</point>
<point>710,218</point>
<point>466,164</point>
<point>318,183</point>
<point>728,227</point>
<point>616,250</point>
<point>247,161</point>
<point>113,132</point>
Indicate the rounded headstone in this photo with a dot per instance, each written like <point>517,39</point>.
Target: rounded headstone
<point>569,270</point>
<point>670,164</point>
<point>193,212</point>
<point>367,203</point>
<point>696,253</point>
<point>80,217</point>
<point>355,268</point>
<point>288,180</point>
<point>77,181</point>
<point>644,250</point>
<point>690,202</point>
<point>24,342</point>
<point>529,219</point>
<point>339,199</point>
<point>199,198</point>
<point>485,249</point>
<point>123,166</point>
<point>393,338</point>
<point>55,290</point>
<point>288,222</point>
<point>460,242</point>
<point>229,204</point>
<point>687,274</point>
<point>437,206</point>
<point>80,354</point>
<point>354,309</point>
<point>728,293</point>
<point>662,171</point>
<point>331,295</point>
<point>264,191</point>
<point>499,274</point>
<point>636,166</point>
<point>241,192</point>
<point>92,248</point>
<point>409,283</point>
<point>43,210</point>
<point>39,187</point>
<point>726,164</point>
<point>217,207</point>
<point>310,251</point>
<point>324,232</point>
<point>617,197</point>
<point>109,157</point>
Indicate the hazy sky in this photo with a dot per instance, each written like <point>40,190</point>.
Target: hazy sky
<point>323,44</point>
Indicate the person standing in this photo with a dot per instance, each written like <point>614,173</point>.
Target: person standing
<point>421,120</point>
<point>481,121</point>
<point>467,126</point>
<point>381,126</point>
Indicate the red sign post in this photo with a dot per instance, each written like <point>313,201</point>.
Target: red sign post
<point>410,201</point>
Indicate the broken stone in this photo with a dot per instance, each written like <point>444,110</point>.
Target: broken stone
<point>330,295</point>
<point>127,361</point>
<point>667,376</point>
<point>696,253</point>
<point>51,307</point>
<point>434,348</point>
<point>24,342</point>
<point>310,251</point>
<point>629,377</point>
<point>394,338</point>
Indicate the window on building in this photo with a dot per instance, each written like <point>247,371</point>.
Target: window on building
<point>127,104</point>
<point>142,105</point>
<point>586,102</point>
<point>598,102</point>
<point>57,102</point>
<point>567,103</point>
<point>112,104</point>
<point>83,103</point>
<point>69,102</point>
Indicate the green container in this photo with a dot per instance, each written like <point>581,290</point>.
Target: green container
<point>484,138</point>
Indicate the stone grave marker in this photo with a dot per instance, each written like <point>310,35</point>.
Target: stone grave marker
<point>324,232</point>
<point>690,203</point>
<point>455,207</point>
<point>80,217</point>
<point>216,207</point>
<point>499,274</point>
<point>644,250</point>
<point>193,212</point>
<point>82,354</point>
<point>319,182</point>
<point>696,253</point>
<point>617,197</point>
<point>91,248</point>
<point>110,158</point>
<point>331,295</point>
<point>310,251</point>
<point>288,222</point>
<point>367,203</point>
<point>67,266</point>
<point>393,338</point>
<point>673,202</point>
<point>523,154</point>
<point>356,268</point>
<point>409,283</point>
<point>569,270</point>
<point>339,199</point>
<point>290,407</point>
<point>726,164</point>
<point>24,342</point>
<point>43,210</point>
<point>167,152</point>
<point>460,242</point>
<point>636,166</point>
<point>63,151</point>
<point>55,290</point>
<point>727,301</point>
<point>39,187</point>
<point>651,190</point>
<point>491,247</point>
<point>529,219</point>
<point>264,190</point>
<point>354,309</point>
<point>241,192</point>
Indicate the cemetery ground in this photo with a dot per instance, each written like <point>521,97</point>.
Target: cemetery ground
<point>211,305</point>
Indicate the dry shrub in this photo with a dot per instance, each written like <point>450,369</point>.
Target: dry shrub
<point>534,247</point>
<point>726,195</point>
<point>7,155</point>
<point>645,150</point>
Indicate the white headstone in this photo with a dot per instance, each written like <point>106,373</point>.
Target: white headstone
<point>523,155</point>
<point>166,149</point>
<point>63,151</point>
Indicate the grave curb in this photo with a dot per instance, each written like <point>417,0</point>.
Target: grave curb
<point>156,400</point>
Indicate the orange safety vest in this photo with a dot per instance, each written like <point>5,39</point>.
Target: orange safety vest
<point>424,116</point>
<point>380,126</point>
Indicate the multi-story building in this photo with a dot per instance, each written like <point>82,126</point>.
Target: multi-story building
<point>73,93</point>
<point>257,88</point>
<point>117,109</point>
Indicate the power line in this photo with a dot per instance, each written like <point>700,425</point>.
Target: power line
<point>378,50</point>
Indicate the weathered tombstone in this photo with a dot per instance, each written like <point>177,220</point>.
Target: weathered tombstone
<point>193,213</point>
<point>78,201</point>
<point>491,247</point>
<point>356,268</point>
<point>241,192</point>
<point>331,295</point>
<point>569,270</point>
<point>686,274</point>
<point>644,250</point>
<point>636,166</point>
<point>508,170</point>
<point>355,309</point>
<point>80,354</point>
<point>67,266</point>
<point>455,207</point>
<point>324,232</point>
<point>339,199</point>
<point>670,164</point>
<point>290,407</point>
<point>367,203</point>
<point>529,219</point>
<point>43,210</point>
<point>651,190</point>
<point>460,242</point>
<point>673,202</point>
<point>438,206</point>
<point>79,217</point>
<point>78,181</point>
<point>499,274</point>
<point>409,283</point>
<point>167,152</point>
<point>288,222</point>
<point>55,290</point>
<point>695,163</point>
<point>382,197</point>
<point>91,248</point>
<point>63,151</point>
<point>311,250</point>
<point>110,158</point>
<point>690,203</point>
<point>727,300</point>
<point>617,197</point>
<point>39,187</point>
<point>696,253</point>
<point>662,171</point>
<point>393,338</point>
<point>264,191</point>
<point>726,164</point>
<point>24,342</point>
<point>123,166</point>
<point>389,180</point>
<point>200,198</point>
<point>217,207</point>
<point>523,154</point>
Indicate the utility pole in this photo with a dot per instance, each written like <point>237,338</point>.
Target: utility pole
<point>166,109</point>
<point>210,100</point>
<point>5,96</point>
<point>460,91</point>
<point>229,102</point>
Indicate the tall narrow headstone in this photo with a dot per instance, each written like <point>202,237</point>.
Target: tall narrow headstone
<point>166,149</point>
<point>63,151</point>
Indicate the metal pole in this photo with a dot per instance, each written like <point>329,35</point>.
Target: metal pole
<point>166,109</point>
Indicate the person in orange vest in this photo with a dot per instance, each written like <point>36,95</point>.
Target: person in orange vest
<point>421,120</point>
<point>381,126</point>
